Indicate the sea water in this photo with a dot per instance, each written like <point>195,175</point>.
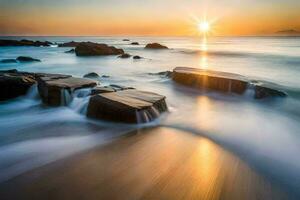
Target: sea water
<point>265,133</point>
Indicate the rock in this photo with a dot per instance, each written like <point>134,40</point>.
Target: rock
<point>8,61</point>
<point>137,57</point>
<point>94,49</point>
<point>91,75</point>
<point>70,51</point>
<point>126,40</point>
<point>14,84</point>
<point>27,59</point>
<point>105,76</point>
<point>264,92</point>
<point>164,73</point>
<point>124,55</point>
<point>69,44</point>
<point>120,87</point>
<point>135,43</point>
<point>101,90</point>
<point>54,90</point>
<point>155,46</point>
<point>24,43</point>
<point>207,79</point>
<point>128,106</point>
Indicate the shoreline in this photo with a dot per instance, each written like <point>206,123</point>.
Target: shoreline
<point>154,163</point>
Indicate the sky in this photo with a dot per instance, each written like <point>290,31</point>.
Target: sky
<point>145,17</point>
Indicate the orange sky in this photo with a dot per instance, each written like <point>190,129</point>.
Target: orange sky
<point>134,17</point>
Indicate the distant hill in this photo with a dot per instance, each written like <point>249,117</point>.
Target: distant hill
<point>288,32</point>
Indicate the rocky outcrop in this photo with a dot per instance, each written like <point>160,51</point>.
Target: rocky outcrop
<point>69,44</point>
<point>8,61</point>
<point>91,75</point>
<point>14,84</point>
<point>53,90</point>
<point>94,49</point>
<point>27,59</point>
<point>128,106</point>
<point>135,43</point>
<point>125,55</point>
<point>155,46</point>
<point>222,81</point>
<point>24,43</point>
<point>126,40</point>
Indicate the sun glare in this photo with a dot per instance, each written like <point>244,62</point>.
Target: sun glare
<point>203,27</point>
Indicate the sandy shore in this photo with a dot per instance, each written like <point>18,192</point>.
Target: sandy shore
<point>158,163</point>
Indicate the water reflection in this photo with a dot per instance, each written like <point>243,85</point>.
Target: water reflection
<point>162,164</point>
<point>203,54</point>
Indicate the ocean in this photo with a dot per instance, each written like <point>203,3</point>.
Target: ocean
<point>264,133</point>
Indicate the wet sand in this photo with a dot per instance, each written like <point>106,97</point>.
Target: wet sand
<point>160,163</point>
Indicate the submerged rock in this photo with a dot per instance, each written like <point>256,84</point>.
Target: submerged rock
<point>53,90</point>
<point>137,57</point>
<point>91,75</point>
<point>94,49</point>
<point>155,46</point>
<point>14,84</point>
<point>69,44</point>
<point>8,61</point>
<point>24,43</point>
<point>27,59</point>
<point>70,51</point>
<point>164,73</point>
<point>100,90</point>
<point>126,40</point>
<point>135,43</point>
<point>128,106</point>
<point>125,55</point>
<point>105,76</point>
<point>264,92</point>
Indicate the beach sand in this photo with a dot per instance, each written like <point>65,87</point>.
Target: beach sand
<point>159,163</point>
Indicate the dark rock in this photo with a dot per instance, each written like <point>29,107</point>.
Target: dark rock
<point>105,76</point>
<point>164,73</point>
<point>128,106</point>
<point>124,55</point>
<point>14,84</point>
<point>155,46</point>
<point>135,43</point>
<point>69,44</point>
<point>126,40</point>
<point>264,92</point>
<point>52,89</point>
<point>207,79</point>
<point>27,59</point>
<point>94,49</point>
<point>70,51</point>
<point>101,90</point>
<point>8,61</point>
<point>91,75</point>
<point>24,43</point>
<point>120,87</point>
<point>137,57</point>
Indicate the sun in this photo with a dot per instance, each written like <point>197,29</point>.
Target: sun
<point>204,27</point>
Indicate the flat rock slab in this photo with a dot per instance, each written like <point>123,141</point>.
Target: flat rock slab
<point>128,106</point>
<point>24,43</point>
<point>52,89</point>
<point>207,79</point>
<point>223,81</point>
